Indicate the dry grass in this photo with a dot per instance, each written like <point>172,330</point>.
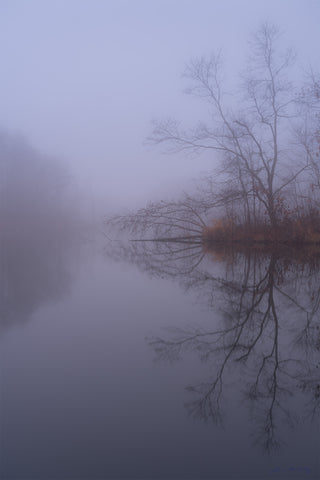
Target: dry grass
<point>299,230</point>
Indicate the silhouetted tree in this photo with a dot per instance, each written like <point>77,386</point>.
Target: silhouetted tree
<point>182,220</point>
<point>252,133</point>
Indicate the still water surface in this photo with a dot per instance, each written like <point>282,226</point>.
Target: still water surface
<point>122,362</point>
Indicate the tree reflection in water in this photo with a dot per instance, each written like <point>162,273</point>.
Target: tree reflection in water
<point>267,334</point>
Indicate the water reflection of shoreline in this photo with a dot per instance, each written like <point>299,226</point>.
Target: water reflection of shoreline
<point>33,272</point>
<point>267,333</point>
<point>37,231</point>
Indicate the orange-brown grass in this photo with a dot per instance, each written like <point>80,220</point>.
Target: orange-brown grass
<point>301,230</point>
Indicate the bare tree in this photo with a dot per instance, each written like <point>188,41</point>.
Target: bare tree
<point>172,220</point>
<point>309,131</point>
<point>253,134</point>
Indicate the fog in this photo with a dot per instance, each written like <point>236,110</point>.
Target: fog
<point>82,81</point>
<point>83,316</point>
<point>43,220</point>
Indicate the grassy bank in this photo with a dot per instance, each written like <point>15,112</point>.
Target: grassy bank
<point>302,230</point>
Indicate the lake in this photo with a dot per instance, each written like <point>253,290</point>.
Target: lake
<point>132,360</point>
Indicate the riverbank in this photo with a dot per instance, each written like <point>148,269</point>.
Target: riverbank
<point>299,232</point>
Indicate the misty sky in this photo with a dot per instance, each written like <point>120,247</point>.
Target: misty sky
<point>83,79</point>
